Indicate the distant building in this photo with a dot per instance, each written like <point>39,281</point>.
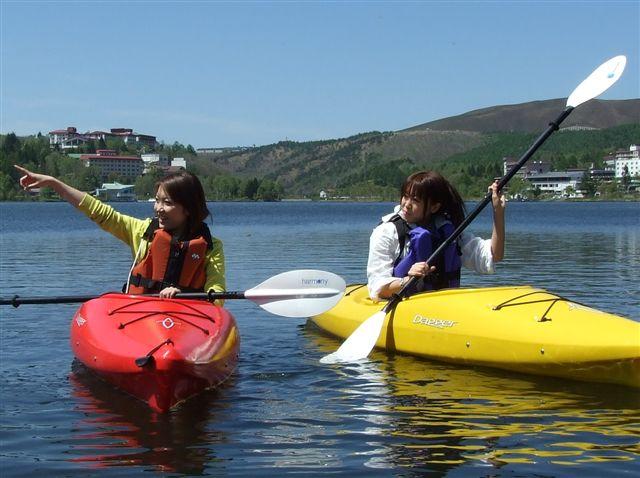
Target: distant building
<point>609,162</point>
<point>209,150</point>
<point>157,160</point>
<point>557,182</point>
<point>128,136</point>
<point>174,168</point>
<point>229,149</point>
<point>110,163</point>
<point>66,138</point>
<point>578,127</point>
<point>69,138</point>
<point>629,159</point>
<point>116,192</point>
<point>179,163</point>
<point>529,168</point>
<point>605,174</point>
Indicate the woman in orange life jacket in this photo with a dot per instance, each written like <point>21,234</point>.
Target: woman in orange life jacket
<point>430,210</point>
<point>173,252</point>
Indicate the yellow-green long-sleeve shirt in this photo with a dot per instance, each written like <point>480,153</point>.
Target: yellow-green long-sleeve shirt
<point>130,231</point>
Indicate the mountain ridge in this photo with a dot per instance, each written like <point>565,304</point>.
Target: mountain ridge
<point>305,167</point>
<point>533,116</point>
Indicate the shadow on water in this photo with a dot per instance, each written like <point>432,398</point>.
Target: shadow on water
<point>115,429</point>
<point>441,419</point>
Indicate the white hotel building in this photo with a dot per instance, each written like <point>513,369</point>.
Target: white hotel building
<point>630,159</point>
<point>69,138</point>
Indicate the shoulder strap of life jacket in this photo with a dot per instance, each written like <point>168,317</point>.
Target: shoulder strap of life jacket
<point>447,269</point>
<point>402,229</point>
<point>151,228</point>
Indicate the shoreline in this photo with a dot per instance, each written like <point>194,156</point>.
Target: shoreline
<point>344,200</point>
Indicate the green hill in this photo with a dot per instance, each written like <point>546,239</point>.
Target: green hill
<point>469,149</point>
<point>472,144</point>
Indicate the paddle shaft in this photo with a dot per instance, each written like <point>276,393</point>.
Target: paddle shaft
<point>75,299</point>
<point>553,126</point>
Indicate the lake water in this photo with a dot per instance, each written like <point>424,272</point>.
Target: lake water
<point>283,412</point>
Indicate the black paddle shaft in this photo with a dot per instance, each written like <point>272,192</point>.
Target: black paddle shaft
<point>553,126</point>
<point>75,299</point>
<point>72,299</point>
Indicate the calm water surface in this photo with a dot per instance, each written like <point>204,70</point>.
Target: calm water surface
<point>283,412</point>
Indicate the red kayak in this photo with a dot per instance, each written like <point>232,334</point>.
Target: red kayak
<point>161,351</point>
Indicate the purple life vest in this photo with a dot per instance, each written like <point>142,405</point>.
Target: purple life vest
<point>423,241</point>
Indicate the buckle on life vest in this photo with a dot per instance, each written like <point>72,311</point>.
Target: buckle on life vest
<point>149,284</point>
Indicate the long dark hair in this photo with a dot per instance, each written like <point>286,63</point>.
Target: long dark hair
<point>431,187</point>
<point>185,189</point>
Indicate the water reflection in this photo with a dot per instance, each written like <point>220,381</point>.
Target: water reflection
<point>439,417</point>
<point>116,430</point>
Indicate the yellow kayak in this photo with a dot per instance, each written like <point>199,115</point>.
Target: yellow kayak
<point>522,328</point>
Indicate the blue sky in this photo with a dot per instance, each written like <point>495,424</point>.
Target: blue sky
<point>243,73</point>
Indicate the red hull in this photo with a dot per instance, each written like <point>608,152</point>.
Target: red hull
<point>161,351</point>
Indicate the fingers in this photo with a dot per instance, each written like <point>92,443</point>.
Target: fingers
<point>28,181</point>
<point>168,292</point>
<point>421,269</point>
<point>497,196</point>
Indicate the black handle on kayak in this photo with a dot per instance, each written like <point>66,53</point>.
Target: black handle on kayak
<point>553,126</point>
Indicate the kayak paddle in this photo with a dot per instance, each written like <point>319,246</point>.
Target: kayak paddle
<point>360,343</point>
<point>298,293</point>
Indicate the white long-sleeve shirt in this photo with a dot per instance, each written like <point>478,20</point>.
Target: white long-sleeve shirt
<point>384,249</point>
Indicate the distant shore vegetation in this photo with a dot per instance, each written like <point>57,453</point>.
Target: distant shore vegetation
<point>34,153</point>
<point>356,168</point>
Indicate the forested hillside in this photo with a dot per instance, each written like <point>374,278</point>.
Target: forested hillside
<point>467,148</point>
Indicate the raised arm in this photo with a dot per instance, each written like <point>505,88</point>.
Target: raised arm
<point>31,180</point>
<point>497,236</point>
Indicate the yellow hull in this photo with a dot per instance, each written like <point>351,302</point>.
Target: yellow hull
<point>514,328</point>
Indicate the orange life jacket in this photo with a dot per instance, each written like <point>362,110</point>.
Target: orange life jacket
<point>171,262</point>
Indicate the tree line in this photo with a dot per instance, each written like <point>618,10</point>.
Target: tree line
<point>34,153</point>
<point>365,174</point>
<point>565,150</point>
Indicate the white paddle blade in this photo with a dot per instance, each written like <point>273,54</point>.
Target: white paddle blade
<point>599,81</point>
<point>360,343</point>
<point>300,293</point>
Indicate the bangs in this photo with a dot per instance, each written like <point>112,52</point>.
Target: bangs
<point>430,187</point>
<point>414,189</point>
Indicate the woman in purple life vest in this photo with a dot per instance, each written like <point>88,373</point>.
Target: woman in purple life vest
<point>430,210</point>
